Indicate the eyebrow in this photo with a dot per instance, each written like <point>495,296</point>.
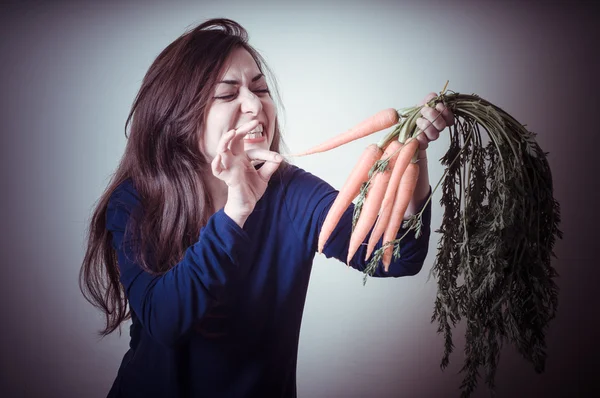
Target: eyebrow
<point>255,78</point>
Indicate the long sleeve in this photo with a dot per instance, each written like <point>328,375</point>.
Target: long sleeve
<point>169,305</point>
<point>309,199</point>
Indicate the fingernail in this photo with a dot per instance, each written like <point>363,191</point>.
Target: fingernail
<point>278,158</point>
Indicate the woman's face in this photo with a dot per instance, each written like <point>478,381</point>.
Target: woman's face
<point>240,96</point>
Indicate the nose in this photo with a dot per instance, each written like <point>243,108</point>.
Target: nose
<point>250,102</point>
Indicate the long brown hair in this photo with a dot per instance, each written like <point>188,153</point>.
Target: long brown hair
<point>164,161</point>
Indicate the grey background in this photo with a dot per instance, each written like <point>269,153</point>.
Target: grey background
<point>69,72</point>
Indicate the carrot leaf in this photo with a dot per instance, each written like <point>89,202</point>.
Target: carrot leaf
<point>498,229</point>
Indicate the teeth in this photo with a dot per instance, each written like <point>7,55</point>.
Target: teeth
<point>257,129</point>
<point>255,133</point>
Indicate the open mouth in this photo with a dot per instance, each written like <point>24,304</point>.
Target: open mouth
<point>256,133</point>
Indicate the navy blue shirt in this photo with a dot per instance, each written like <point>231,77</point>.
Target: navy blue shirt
<point>225,321</point>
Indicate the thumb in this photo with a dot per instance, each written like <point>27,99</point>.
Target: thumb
<point>427,98</point>
<point>268,169</point>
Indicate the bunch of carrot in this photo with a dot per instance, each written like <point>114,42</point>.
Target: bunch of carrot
<point>497,233</point>
<point>387,173</point>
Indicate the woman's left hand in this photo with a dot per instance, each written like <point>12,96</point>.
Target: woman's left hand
<point>432,123</point>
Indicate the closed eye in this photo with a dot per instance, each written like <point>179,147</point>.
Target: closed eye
<point>225,97</point>
<point>232,96</point>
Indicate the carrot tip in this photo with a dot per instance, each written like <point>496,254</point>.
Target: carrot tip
<point>386,263</point>
<point>348,260</point>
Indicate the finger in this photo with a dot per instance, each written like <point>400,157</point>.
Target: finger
<point>237,142</point>
<point>428,129</point>
<point>258,154</point>
<point>428,98</point>
<point>226,160</point>
<point>446,113</point>
<point>216,165</point>
<point>268,169</point>
<point>434,117</point>
<point>223,144</point>
<point>423,141</point>
<point>247,127</point>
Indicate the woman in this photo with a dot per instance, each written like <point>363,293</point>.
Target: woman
<point>209,235</point>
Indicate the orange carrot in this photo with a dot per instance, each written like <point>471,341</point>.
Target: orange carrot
<point>403,197</point>
<point>371,204</point>
<point>390,193</point>
<point>349,191</point>
<point>379,121</point>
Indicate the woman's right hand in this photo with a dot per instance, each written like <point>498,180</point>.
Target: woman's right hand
<point>233,165</point>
